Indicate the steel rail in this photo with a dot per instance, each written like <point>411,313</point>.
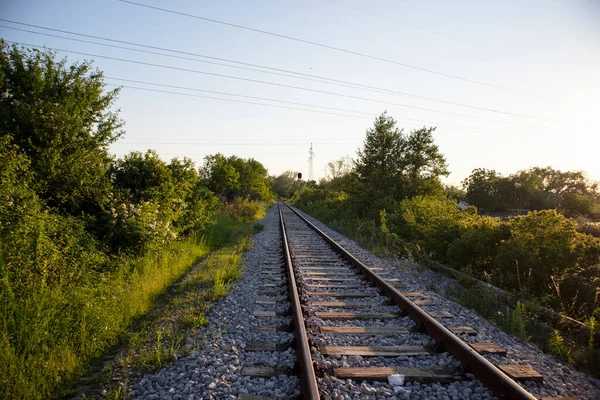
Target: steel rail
<point>491,376</point>
<point>306,373</point>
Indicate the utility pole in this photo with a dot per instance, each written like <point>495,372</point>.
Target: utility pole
<point>311,156</point>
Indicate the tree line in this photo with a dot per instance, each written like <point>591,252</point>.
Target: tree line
<point>392,195</point>
<point>536,188</point>
<point>87,240</point>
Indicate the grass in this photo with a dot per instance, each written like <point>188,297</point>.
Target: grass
<point>171,329</point>
<point>48,338</point>
<point>522,321</point>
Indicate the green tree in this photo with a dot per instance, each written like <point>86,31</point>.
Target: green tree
<point>482,189</point>
<point>286,184</point>
<point>60,117</point>
<point>392,166</point>
<point>379,164</point>
<point>232,177</point>
<point>220,176</point>
<point>339,168</point>
<point>422,164</point>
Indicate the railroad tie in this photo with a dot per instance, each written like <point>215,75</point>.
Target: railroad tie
<point>373,351</point>
<point>361,330</point>
<point>259,345</point>
<point>521,372</point>
<point>358,316</point>
<point>422,375</point>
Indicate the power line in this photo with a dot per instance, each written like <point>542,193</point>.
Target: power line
<point>238,95</point>
<point>304,104</point>
<point>394,20</point>
<point>237,101</point>
<point>278,71</point>
<point>339,49</point>
<point>277,84</point>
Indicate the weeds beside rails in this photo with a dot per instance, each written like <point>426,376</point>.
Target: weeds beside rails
<point>523,321</point>
<point>48,337</point>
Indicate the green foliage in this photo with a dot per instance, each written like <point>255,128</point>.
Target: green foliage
<point>536,189</point>
<point>541,248</point>
<point>232,177</point>
<point>156,202</point>
<point>558,347</point>
<point>392,166</point>
<point>477,246</point>
<point>47,335</point>
<point>432,222</point>
<point>87,242</point>
<point>285,184</point>
<point>60,118</point>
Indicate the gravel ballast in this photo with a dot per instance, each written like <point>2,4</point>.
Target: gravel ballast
<point>214,372</point>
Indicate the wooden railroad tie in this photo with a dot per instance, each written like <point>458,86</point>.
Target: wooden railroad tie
<point>259,345</point>
<point>488,348</point>
<point>332,279</point>
<point>347,303</point>
<point>316,286</point>
<point>423,375</point>
<point>271,328</point>
<point>270,313</point>
<point>360,330</point>
<point>273,285</point>
<point>522,372</point>
<point>352,315</point>
<point>278,271</point>
<point>245,396</point>
<point>270,301</point>
<point>462,330</point>
<point>335,294</point>
<point>270,292</point>
<point>396,285</point>
<point>441,314</point>
<point>373,351</point>
<point>258,371</point>
<point>423,302</point>
<point>325,274</point>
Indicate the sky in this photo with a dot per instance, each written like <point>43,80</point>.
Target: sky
<point>509,85</point>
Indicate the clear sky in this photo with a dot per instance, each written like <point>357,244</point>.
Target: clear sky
<point>547,50</point>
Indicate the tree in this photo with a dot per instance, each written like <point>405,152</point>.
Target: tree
<point>59,117</point>
<point>482,189</point>
<point>378,162</point>
<point>339,168</point>
<point>286,184</point>
<point>232,177</point>
<point>454,192</point>
<point>221,177</point>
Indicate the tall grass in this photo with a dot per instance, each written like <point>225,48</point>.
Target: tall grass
<point>48,336</point>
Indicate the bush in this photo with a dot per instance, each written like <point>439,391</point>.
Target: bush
<point>477,246</point>
<point>432,222</point>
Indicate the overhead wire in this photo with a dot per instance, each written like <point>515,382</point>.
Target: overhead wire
<point>338,49</point>
<point>278,85</point>
<point>393,19</point>
<point>270,70</point>
<point>308,105</point>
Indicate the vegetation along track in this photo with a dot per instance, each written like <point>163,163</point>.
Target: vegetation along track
<point>343,311</point>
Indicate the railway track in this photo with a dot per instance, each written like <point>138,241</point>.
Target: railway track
<point>346,323</point>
